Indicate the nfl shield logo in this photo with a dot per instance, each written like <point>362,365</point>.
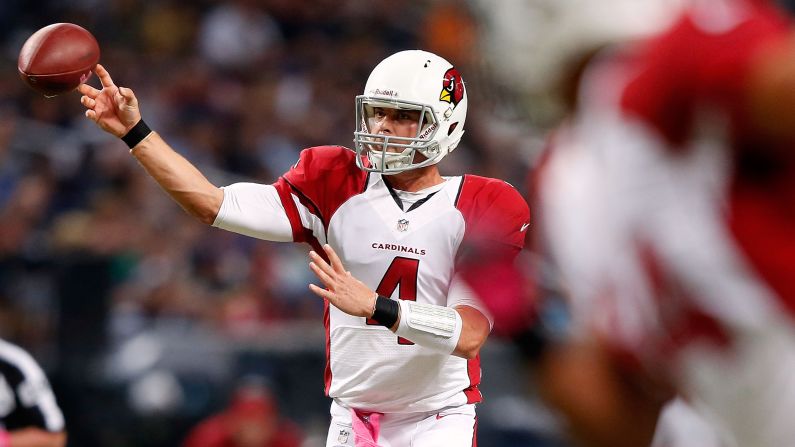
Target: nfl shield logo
<point>403,225</point>
<point>342,438</point>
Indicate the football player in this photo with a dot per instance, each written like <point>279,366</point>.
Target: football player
<point>669,205</point>
<point>386,231</point>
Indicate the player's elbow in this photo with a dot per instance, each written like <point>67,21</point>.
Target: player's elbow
<point>469,348</point>
<point>474,332</point>
<point>205,211</point>
<point>204,215</point>
<point>469,354</point>
<point>204,204</point>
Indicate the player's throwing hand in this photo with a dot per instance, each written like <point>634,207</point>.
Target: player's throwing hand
<point>345,292</point>
<point>114,109</point>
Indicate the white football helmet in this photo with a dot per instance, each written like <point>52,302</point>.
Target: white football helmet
<point>411,80</point>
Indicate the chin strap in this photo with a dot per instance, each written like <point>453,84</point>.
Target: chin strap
<point>434,327</point>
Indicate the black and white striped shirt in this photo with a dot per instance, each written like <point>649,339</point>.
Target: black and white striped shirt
<point>26,398</point>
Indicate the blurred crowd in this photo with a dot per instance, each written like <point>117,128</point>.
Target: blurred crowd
<point>239,88</point>
<point>93,256</point>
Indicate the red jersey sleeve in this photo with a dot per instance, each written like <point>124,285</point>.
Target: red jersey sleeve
<point>497,220</point>
<point>323,179</point>
<point>494,212</point>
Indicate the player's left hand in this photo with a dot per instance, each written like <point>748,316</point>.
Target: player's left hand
<point>345,292</point>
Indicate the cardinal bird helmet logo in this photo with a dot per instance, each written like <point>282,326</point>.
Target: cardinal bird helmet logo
<point>452,87</point>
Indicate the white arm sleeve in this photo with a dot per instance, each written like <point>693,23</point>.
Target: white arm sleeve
<point>254,210</point>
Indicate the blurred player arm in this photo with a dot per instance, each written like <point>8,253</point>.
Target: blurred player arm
<point>603,405</point>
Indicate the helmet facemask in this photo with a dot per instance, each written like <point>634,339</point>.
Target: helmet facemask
<point>407,86</point>
<point>392,154</point>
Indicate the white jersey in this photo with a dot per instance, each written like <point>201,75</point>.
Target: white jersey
<point>408,254</point>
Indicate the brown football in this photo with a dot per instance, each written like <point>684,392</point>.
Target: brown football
<point>58,58</point>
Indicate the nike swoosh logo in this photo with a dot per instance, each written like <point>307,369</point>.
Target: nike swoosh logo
<point>524,227</point>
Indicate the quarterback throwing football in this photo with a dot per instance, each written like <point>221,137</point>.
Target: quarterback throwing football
<point>386,231</point>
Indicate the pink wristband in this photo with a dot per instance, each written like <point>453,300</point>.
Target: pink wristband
<point>5,438</point>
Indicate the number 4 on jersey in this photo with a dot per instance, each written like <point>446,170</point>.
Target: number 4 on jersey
<point>402,272</point>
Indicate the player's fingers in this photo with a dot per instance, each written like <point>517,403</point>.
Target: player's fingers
<point>323,276</point>
<point>104,76</point>
<point>117,97</point>
<point>88,90</point>
<point>321,292</point>
<point>92,115</point>
<point>321,263</point>
<point>335,260</point>
<point>128,95</point>
<point>88,102</point>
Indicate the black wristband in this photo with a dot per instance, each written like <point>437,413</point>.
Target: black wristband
<point>136,134</point>
<point>386,311</point>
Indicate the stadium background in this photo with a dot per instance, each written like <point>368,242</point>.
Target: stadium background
<point>145,319</point>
